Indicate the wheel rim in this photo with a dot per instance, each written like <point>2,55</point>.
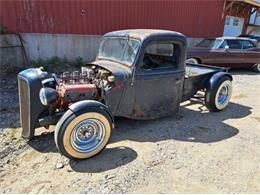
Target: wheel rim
<point>223,95</point>
<point>87,135</point>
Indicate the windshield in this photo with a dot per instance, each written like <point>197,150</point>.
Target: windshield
<point>209,43</point>
<point>119,49</point>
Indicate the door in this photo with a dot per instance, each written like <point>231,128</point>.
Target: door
<point>159,81</point>
<point>233,26</point>
<point>228,54</point>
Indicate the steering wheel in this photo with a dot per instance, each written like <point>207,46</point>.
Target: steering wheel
<point>153,64</point>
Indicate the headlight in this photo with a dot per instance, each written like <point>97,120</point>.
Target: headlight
<point>111,79</point>
<point>48,95</point>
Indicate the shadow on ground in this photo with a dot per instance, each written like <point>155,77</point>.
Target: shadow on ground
<point>110,158</point>
<point>189,126</point>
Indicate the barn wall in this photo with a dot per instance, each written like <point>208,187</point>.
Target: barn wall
<point>196,18</point>
<point>65,46</point>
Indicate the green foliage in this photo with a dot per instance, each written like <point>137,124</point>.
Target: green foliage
<point>39,63</point>
<point>2,30</point>
<point>55,60</point>
<point>79,61</point>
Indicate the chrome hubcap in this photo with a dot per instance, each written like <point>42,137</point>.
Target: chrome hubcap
<point>223,95</point>
<point>87,135</point>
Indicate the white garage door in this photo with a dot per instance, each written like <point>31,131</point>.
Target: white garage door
<point>233,26</point>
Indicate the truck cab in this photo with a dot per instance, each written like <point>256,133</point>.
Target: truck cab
<point>154,66</point>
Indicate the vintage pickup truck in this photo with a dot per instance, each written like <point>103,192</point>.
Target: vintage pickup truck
<point>138,74</point>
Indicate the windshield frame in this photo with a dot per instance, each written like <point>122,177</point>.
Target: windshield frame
<point>213,39</point>
<point>98,57</point>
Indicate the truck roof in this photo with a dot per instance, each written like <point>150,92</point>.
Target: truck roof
<point>144,33</point>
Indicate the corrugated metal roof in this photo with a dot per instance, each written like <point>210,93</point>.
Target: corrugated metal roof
<point>196,18</point>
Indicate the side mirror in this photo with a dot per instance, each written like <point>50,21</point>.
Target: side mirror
<point>226,47</point>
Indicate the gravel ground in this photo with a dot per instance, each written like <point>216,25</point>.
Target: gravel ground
<point>192,152</point>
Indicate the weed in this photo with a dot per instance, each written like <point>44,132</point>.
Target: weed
<point>79,61</point>
<point>55,60</point>
<point>39,63</point>
<point>3,30</point>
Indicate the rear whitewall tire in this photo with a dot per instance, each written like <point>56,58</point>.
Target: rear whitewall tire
<point>217,98</point>
<point>222,98</point>
<point>256,67</point>
<point>192,61</point>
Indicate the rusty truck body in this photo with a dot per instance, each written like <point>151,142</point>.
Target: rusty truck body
<point>138,74</point>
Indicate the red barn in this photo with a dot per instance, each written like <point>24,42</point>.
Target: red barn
<point>194,18</point>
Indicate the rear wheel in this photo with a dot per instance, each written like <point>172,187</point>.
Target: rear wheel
<point>217,98</point>
<point>83,135</point>
<point>192,61</point>
<point>256,67</point>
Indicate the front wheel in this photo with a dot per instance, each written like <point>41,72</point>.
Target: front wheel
<point>217,98</point>
<point>82,135</point>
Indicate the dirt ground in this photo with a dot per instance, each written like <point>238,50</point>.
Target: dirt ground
<point>192,152</point>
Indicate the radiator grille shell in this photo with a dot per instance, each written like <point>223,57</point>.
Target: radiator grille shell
<point>24,101</point>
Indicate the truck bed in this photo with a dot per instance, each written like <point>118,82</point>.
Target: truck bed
<point>201,69</point>
<point>196,78</point>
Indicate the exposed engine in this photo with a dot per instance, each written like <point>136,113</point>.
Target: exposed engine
<point>70,87</point>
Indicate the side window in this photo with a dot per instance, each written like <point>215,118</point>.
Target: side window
<point>223,44</point>
<point>246,44</point>
<point>235,22</point>
<point>227,21</point>
<point>234,44</point>
<point>161,55</point>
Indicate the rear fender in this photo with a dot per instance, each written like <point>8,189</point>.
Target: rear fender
<point>215,79</point>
